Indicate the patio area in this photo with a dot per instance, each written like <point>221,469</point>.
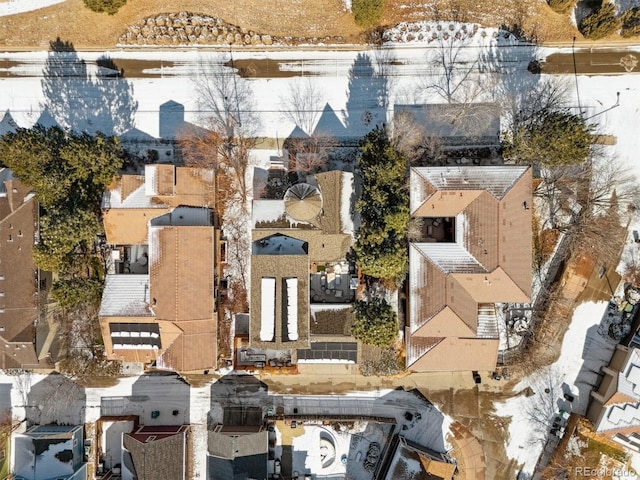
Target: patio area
<point>333,283</point>
<point>132,259</point>
<point>438,230</point>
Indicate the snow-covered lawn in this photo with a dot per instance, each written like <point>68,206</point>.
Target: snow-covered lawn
<point>19,6</point>
<point>584,352</point>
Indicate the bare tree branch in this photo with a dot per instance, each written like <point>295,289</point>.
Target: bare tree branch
<point>302,104</point>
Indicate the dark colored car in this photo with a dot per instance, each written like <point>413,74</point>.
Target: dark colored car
<point>476,377</point>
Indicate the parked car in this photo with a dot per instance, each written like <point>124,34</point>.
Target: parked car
<point>476,377</point>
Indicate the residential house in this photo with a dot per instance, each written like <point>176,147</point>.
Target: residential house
<point>238,453</point>
<point>433,465</point>
<point>20,279</point>
<point>154,452</point>
<point>453,124</point>
<point>474,252</point>
<point>614,409</point>
<point>50,452</point>
<point>299,266</point>
<point>159,302</point>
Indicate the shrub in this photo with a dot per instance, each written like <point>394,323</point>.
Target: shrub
<point>367,13</point>
<point>601,23</point>
<point>107,6</point>
<point>561,6</point>
<point>551,138</point>
<point>631,22</point>
<point>376,323</point>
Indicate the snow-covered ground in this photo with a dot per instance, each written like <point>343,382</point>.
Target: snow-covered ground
<point>334,74</point>
<point>20,6</point>
<point>584,352</point>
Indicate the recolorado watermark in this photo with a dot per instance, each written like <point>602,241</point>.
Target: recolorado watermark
<point>606,472</point>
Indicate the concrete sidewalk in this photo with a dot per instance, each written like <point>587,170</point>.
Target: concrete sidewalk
<point>338,379</point>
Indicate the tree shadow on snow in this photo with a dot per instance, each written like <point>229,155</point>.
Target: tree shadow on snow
<point>83,99</point>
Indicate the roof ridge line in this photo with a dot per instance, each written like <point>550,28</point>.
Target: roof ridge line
<point>514,182</point>
<point>512,280</point>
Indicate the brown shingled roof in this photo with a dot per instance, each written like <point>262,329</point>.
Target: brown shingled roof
<point>493,228</point>
<point>18,274</point>
<point>182,292</point>
<point>129,184</point>
<point>330,184</point>
<point>280,267</point>
<point>459,354</point>
<point>127,224</point>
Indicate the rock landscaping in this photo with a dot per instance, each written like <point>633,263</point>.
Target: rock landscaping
<point>184,28</point>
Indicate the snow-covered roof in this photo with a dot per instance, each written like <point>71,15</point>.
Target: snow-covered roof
<point>5,176</point>
<point>346,192</point>
<point>445,120</point>
<point>43,452</point>
<point>267,309</point>
<point>622,415</point>
<point>450,257</point>
<point>496,180</point>
<point>264,211</point>
<point>292,308</point>
<point>136,199</point>
<point>279,244</point>
<point>125,296</point>
<point>487,321</point>
<point>185,217</point>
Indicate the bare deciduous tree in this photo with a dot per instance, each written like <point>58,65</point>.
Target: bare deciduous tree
<point>457,78</point>
<point>525,106</point>
<point>226,103</point>
<point>302,104</point>
<point>631,267</point>
<point>22,380</point>
<point>408,135</point>
<point>199,148</point>
<point>309,154</point>
<point>541,407</point>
